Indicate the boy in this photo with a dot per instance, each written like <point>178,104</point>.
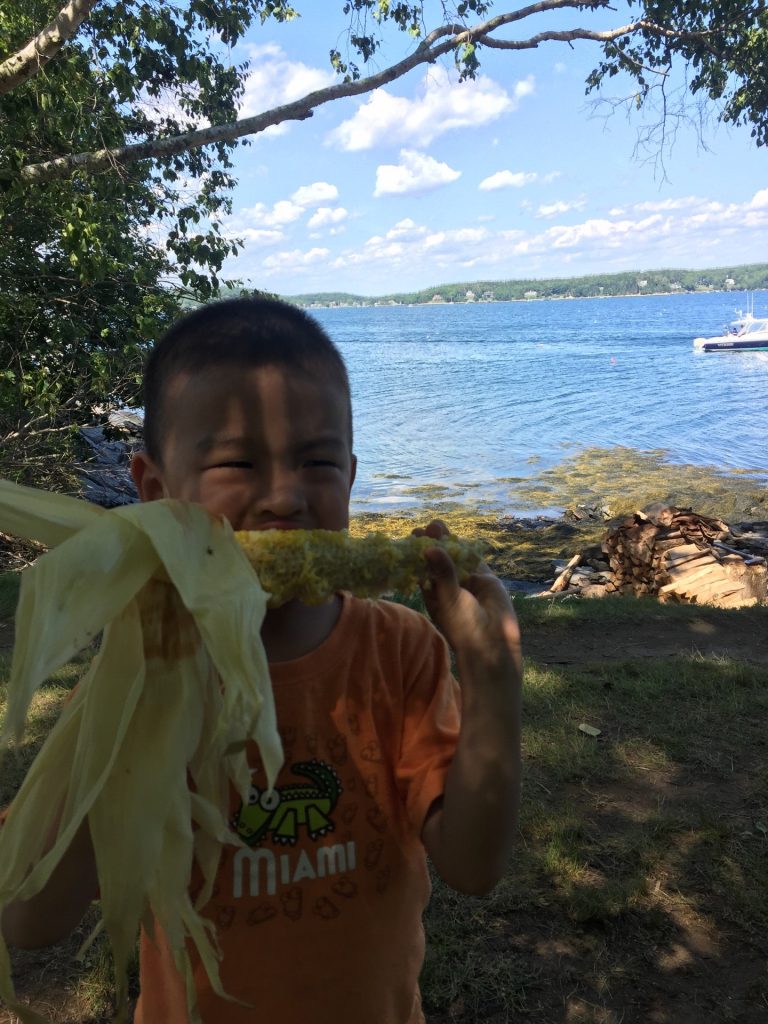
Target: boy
<point>318,916</point>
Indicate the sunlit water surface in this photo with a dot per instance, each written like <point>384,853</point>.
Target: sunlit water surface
<point>467,395</point>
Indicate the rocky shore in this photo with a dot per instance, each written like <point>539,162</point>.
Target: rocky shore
<point>105,476</point>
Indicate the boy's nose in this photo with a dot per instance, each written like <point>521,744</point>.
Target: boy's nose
<point>283,497</point>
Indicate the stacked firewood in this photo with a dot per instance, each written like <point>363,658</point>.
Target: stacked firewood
<point>674,555</point>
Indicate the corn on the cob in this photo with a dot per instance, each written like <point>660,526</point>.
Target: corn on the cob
<point>309,565</point>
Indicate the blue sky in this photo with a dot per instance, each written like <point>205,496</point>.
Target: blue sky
<point>429,181</point>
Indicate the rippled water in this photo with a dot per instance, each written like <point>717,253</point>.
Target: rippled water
<point>466,395</point>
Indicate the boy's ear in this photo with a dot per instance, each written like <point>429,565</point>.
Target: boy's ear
<point>147,477</point>
<point>353,471</point>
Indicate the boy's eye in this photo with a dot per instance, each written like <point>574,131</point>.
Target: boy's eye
<point>233,464</point>
<point>321,463</point>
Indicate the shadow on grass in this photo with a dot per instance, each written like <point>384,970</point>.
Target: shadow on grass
<point>637,890</point>
<point>43,713</point>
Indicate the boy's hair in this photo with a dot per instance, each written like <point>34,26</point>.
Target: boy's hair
<point>238,332</point>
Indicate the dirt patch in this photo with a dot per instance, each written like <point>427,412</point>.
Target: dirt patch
<point>713,634</point>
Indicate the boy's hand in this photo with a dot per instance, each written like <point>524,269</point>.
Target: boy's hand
<point>476,617</point>
<point>469,830</point>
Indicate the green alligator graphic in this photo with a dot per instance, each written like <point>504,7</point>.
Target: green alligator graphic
<point>283,811</point>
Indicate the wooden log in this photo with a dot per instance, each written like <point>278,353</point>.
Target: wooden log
<point>686,580</point>
<point>753,578</point>
<point>682,551</point>
<point>564,578</point>
<point>683,569</point>
<point>670,532</point>
<point>736,601</point>
<point>661,545</point>
<point>709,592</point>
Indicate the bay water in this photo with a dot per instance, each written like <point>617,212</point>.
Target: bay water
<point>465,396</point>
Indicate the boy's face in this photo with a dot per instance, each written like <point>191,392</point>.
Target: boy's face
<point>266,447</point>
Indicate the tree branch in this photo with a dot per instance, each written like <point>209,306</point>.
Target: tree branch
<point>26,62</point>
<point>438,43</point>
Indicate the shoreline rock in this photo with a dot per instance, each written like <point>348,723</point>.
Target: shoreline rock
<point>106,478</point>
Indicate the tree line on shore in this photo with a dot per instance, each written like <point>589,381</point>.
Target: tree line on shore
<point>750,277</point>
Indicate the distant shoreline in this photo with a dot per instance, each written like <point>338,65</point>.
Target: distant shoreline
<point>748,278</point>
<point>542,298</point>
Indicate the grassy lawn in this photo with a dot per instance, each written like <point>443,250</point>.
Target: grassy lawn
<point>637,891</point>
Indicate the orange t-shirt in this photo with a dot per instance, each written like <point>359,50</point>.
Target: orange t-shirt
<point>319,916</point>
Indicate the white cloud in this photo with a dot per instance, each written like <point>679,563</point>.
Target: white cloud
<point>443,104</point>
<point>259,236</point>
<point>327,216</point>
<point>683,235</point>
<point>663,205</point>
<point>274,80</point>
<point>524,87</point>
<point>406,230</point>
<point>460,236</point>
<point>408,244</point>
<point>295,259</point>
<point>281,213</point>
<point>507,179</point>
<point>561,206</point>
<point>415,173</point>
<point>607,233</point>
<point>317,192</point>
<point>263,224</point>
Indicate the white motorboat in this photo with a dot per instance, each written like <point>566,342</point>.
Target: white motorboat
<point>747,334</point>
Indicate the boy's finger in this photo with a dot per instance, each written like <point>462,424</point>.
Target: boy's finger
<point>435,529</point>
<point>484,585</point>
<point>440,565</point>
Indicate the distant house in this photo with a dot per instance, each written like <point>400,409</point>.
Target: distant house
<point>470,296</point>
<point>642,284</point>
<point>729,282</point>
<point>437,297</point>
<point>531,295</point>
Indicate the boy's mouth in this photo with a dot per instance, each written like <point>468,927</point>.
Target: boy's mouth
<point>279,524</point>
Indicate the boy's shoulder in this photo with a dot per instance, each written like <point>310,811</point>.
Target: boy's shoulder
<point>393,629</point>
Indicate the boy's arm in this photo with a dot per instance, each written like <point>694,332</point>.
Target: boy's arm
<point>469,832</point>
<point>58,908</point>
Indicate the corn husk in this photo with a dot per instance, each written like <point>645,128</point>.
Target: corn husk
<point>180,684</point>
